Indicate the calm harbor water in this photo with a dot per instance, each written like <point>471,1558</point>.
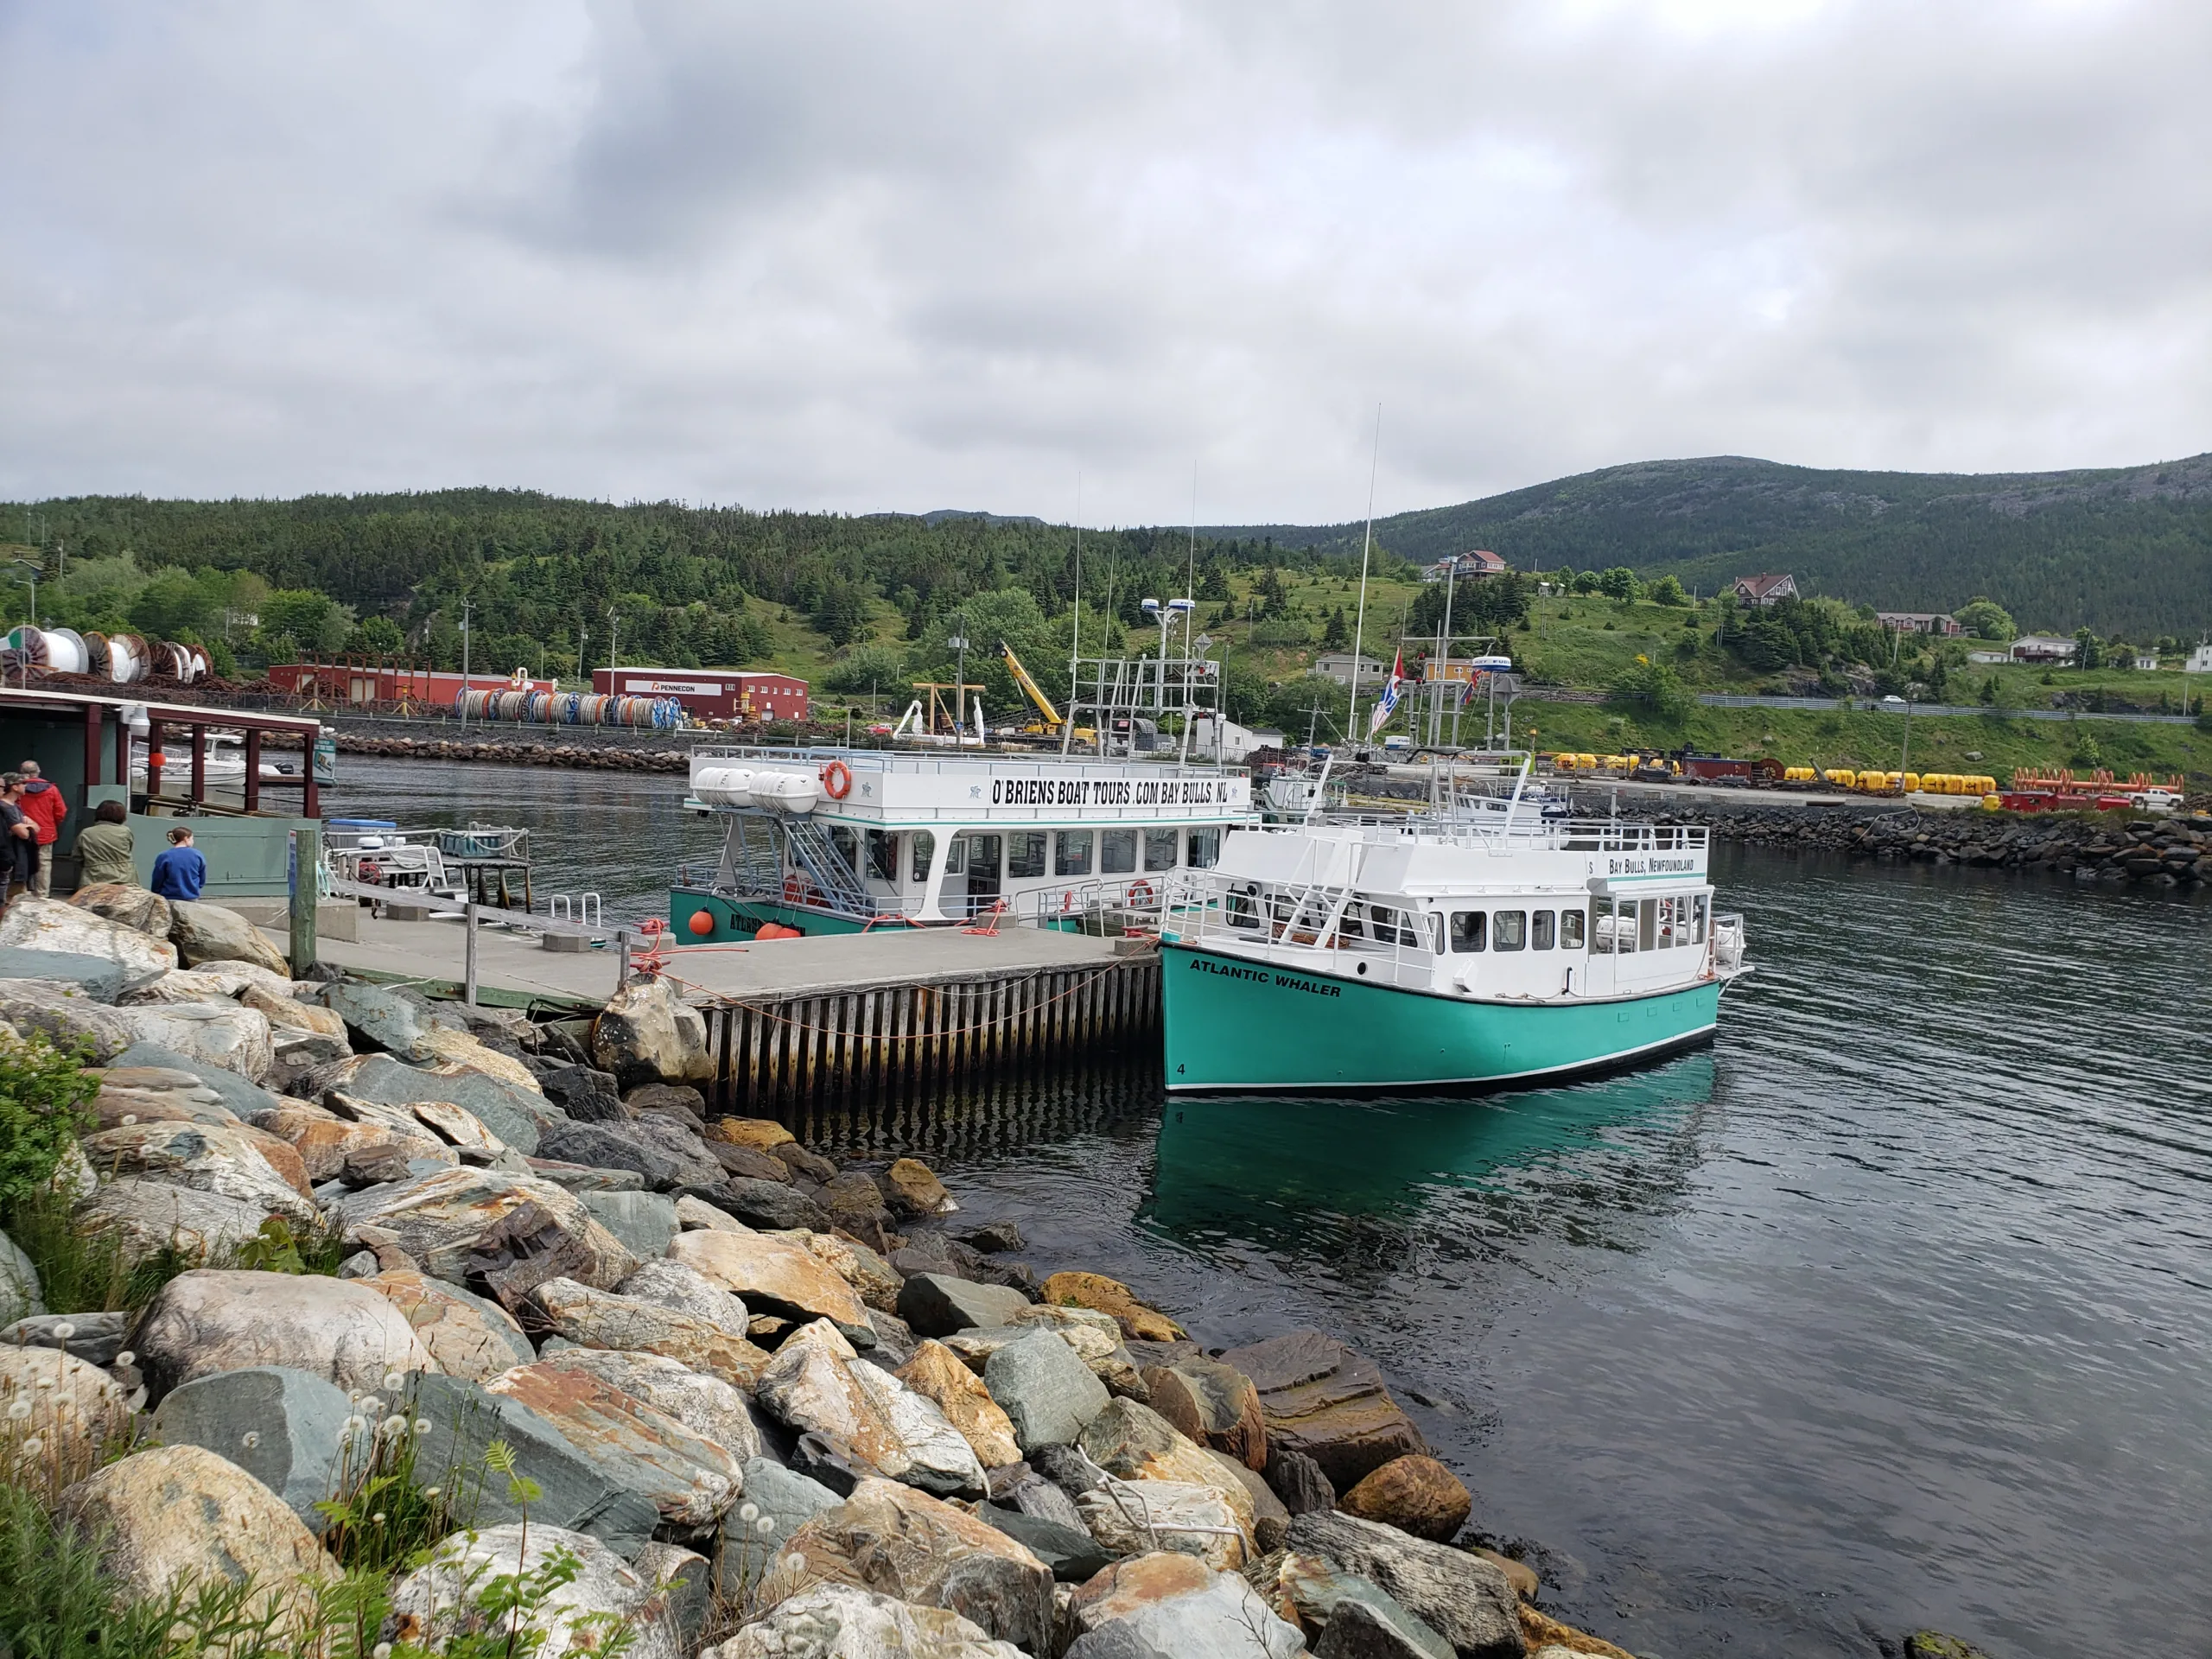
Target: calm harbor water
<point>1889,1310</point>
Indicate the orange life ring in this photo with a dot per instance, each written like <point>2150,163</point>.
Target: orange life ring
<point>1141,893</point>
<point>794,889</point>
<point>836,780</point>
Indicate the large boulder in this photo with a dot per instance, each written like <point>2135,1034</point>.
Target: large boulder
<point>1136,1443</point>
<point>1072,1553</point>
<point>1215,1404</point>
<point>380,1017</point>
<point>690,1479</point>
<point>706,1405</point>
<point>152,1094</point>
<point>440,1046</point>
<point>245,1099</point>
<point>175,1516</point>
<point>937,1304</point>
<point>206,932</point>
<point>1173,1606</point>
<point>71,1407</point>
<point>773,1276</point>
<point>781,1503</point>
<point>146,1219</point>
<point>763,1133</point>
<point>1094,1290</point>
<point>1366,1630</point>
<point>466,1335</point>
<point>69,1016</point>
<point>1128,1517</point>
<point>127,906</point>
<point>644,1222</point>
<point>1047,1392</point>
<point>49,924</point>
<point>286,1428</point>
<point>1415,1494</point>
<point>686,1290</point>
<point>301,1029</point>
<point>516,1115</point>
<point>332,1147</point>
<point>910,1188</point>
<point>937,1375</point>
<point>19,1285</point>
<point>1460,1596</point>
<point>646,1033</point>
<point>599,1318</point>
<point>209,1320</point>
<point>572,1490</point>
<point>213,1033</point>
<point>1321,1398</point>
<point>902,1543</point>
<point>816,1382</point>
<point>878,1282</point>
<point>208,1158</point>
<point>462,1224</point>
<point>1310,1592</point>
<point>626,1145</point>
<point>439,1603</point>
<point>839,1621</point>
<point>585,1093</point>
<point>98,978</point>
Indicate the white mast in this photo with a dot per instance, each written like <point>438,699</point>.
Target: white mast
<point>1367,543</point>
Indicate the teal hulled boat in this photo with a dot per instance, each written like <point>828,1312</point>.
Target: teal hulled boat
<point>1464,951</point>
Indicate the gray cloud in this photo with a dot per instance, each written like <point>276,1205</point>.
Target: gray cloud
<point>866,256</point>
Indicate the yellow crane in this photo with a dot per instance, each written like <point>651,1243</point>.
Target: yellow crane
<point>1053,719</point>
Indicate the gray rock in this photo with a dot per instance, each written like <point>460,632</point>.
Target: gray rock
<point>769,1205</point>
<point>95,1338</point>
<point>830,1463</point>
<point>1270,1518</point>
<point>1463,1598</point>
<point>217,1033</point>
<point>646,1033</point>
<point>148,1218</point>
<point>438,1600</point>
<point>748,1163</point>
<point>1172,1606</point>
<point>672,1285</point>
<point>838,1621</point>
<point>207,1157</point>
<point>69,1016</point>
<point>678,1098</point>
<point>211,1320</point>
<point>644,1222</point>
<point>1067,1468</point>
<point>936,1305</point>
<point>587,1094</point>
<point>786,1502</point>
<point>583,1178</point>
<point>690,1479</point>
<point>1298,1481</point>
<point>379,1016</point>
<point>243,1098</point>
<point>1047,1392</point>
<point>19,1285</point>
<point>1036,1497</point>
<point>516,1115</point>
<point>685,1581</point>
<point>285,1427</point>
<point>618,1145</point>
<point>1072,1553</point>
<point>1362,1630</point>
<point>100,978</point>
<point>462,1224</point>
<point>706,1405</point>
<point>801,1162</point>
<point>992,1237</point>
<point>572,1492</point>
<point>895,1341</point>
<point>680,1139</point>
<point>206,932</point>
<point>47,925</point>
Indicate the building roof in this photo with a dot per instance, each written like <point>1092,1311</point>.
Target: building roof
<point>1760,586</point>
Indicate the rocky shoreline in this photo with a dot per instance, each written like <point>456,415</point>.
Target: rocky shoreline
<point>610,757</point>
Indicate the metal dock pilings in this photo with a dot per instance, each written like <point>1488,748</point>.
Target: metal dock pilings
<point>876,1045</point>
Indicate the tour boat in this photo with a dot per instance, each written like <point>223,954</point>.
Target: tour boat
<point>1462,950</point>
<point>845,839</point>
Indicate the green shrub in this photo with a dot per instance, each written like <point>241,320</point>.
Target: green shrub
<point>44,1094</point>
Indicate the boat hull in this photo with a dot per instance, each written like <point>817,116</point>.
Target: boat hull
<point>741,918</point>
<point>1238,1027</point>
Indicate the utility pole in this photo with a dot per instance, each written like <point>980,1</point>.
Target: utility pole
<point>466,605</point>
<point>613,631</point>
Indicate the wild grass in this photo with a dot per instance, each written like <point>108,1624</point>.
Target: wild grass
<point>87,1269</point>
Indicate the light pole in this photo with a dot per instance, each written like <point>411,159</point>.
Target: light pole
<point>959,641</point>
<point>466,605</point>
<point>30,582</point>
<point>613,633</point>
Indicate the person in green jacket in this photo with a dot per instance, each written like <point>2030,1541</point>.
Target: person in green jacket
<point>103,848</point>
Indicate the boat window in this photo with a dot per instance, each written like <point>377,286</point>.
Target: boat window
<point>883,854</point>
<point>847,844</point>
<point>1647,923</point>
<point>1206,848</point>
<point>1436,932</point>
<point>1160,849</point>
<point>984,855</point>
<point>1697,919</point>
<point>1351,927</point>
<point>1570,930</point>
<point>925,849</point>
<point>1467,927</point>
<point>1242,911</point>
<point>1117,852</point>
<point>1024,853</point>
<point>1072,852</point>
<point>1541,924</point>
<point>955,855</point>
<point>1509,930</point>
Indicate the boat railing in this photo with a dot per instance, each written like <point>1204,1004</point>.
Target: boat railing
<point>1333,929</point>
<point>906,760</point>
<point>1531,832</point>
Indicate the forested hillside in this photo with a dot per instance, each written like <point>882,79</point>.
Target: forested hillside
<point>2124,551</point>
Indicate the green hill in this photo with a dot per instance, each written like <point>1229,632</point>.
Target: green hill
<point>2124,551</point>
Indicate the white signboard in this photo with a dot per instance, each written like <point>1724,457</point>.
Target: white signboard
<point>670,688</point>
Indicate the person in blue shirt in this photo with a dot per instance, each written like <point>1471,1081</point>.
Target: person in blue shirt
<point>180,872</point>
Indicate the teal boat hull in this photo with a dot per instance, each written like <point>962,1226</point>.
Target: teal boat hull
<point>741,918</point>
<point>1235,1027</point>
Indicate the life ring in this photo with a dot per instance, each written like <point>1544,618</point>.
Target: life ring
<point>794,889</point>
<point>1141,893</point>
<point>836,780</point>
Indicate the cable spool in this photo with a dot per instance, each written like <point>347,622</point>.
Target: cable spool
<point>130,658</point>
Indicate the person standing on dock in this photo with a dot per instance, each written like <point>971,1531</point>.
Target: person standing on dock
<point>43,804</point>
<point>104,847</point>
<point>180,872</point>
<point>18,840</point>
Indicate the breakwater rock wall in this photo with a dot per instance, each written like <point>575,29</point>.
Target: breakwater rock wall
<point>514,750</point>
<point>2170,852</point>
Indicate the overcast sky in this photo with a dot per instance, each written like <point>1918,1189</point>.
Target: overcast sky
<point>906,256</point>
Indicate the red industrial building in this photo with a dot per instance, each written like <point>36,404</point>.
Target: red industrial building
<point>365,683</point>
<point>711,693</point>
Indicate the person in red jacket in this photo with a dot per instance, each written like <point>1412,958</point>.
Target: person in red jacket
<point>43,804</point>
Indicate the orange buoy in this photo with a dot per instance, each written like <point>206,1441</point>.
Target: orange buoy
<point>702,922</point>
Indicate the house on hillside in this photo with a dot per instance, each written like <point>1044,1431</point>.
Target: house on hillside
<point>1934,622</point>
<point>2200,661</point>
<point>1481,562</point>
<point>2047,648</point>
<point>1764,590</point>
<point>1337,665</point>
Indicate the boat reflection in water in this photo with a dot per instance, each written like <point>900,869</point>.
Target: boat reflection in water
<point>1384,1182</point>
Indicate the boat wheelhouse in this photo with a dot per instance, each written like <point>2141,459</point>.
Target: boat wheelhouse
<point>1447,953</point>
<point>840,840</point>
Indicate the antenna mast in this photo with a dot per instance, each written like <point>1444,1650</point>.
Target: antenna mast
<point>1366,546</point>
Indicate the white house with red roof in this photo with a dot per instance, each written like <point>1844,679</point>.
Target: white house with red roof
<point>1763,591</point>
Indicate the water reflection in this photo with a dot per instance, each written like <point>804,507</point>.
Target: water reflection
<point>1382,1179</point>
